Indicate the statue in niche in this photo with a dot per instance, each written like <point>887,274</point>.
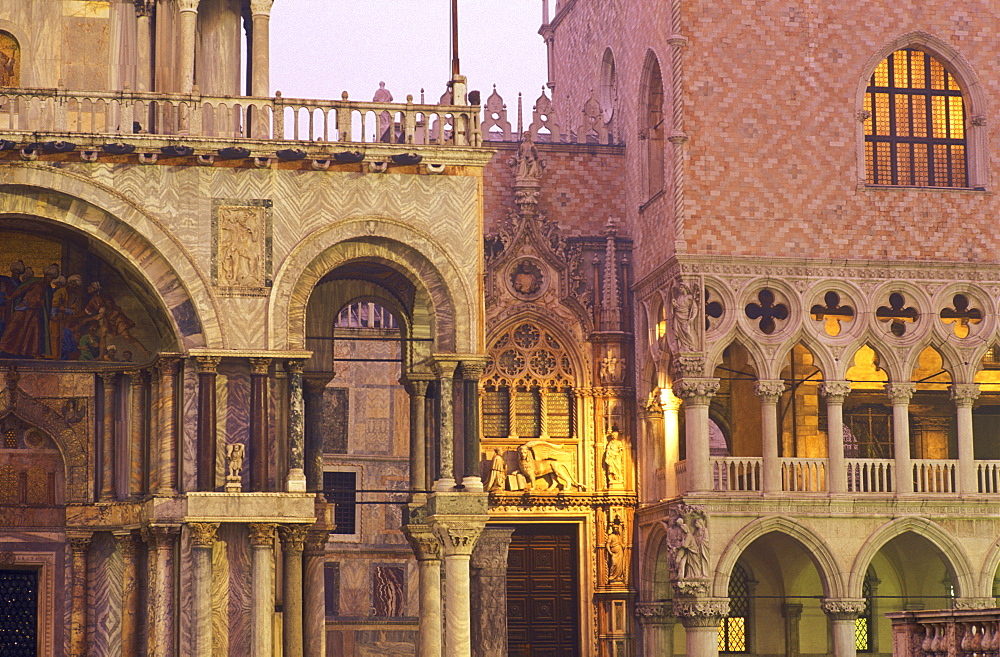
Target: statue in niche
<point>687,540</point>
<point>616,545</point>
<point>612,370</point>
<point>526,279</point>
<point>498,471</point>
<point>527,165</point>
<point>539,460</point>
<point>235,453</point>
<point>614,461</point>
<point>684,306</point>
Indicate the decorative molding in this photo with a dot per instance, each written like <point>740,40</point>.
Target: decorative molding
<point>844,608</point>
<point>705,612</point>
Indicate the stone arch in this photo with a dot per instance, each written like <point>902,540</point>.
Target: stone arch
<point>972,92</point>
<point>130,233</point>
<point>568,343</point>
<point>442,284</point>
<point>954,557</point>
<point>71,440</point>
<point>990,566</point>
<point>609,84</point>
<point>826,565</point>
<point>654,566</point>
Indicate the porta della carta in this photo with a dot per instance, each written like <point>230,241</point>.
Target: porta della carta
<point>696,353</point>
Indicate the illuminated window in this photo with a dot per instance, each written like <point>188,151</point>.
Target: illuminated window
<point>916,131</point>
<point>733,628</point>
<point>864,625</point>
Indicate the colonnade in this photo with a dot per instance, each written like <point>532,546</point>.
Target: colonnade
<point>696,395</point>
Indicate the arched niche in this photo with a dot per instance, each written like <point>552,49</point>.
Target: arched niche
<point>70,297</point>
<point>735,408</point>
<point>932,412</point>
<point>802,432</point>
<point>10,60</point>
<point>651,126</point>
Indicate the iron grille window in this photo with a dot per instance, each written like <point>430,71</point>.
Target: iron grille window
<point>733,628</point>
<point>863,626</point>
<point>916,131</point>
<point>868,432</point>
<point>341,488</point>
<point>18,612</point>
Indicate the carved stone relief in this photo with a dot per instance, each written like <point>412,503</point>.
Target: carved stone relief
<point>241,236</point>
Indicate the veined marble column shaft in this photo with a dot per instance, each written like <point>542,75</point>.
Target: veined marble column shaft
<point>259,448</point>
<point>489,592</point>
<point>207,421</point>
<point>697,395</point>
<point>262,589</point>
<point>296,430</point>
<point>167,457</point>
<point>260,83</point>
<point>843,614</point>
<point>446,426</point>
<point>314,594</point>
<point>136,431</point>
<point>313,388</point>
<point>900,394</point>
<point>202,542</point>
<point>964,395</point>
<point>160,613</point>
<point>292,544</point>
<point>427,549</point>
<point>79,545</point>
<point>188,20</point>
<point>458,541</point>
<point>108,380</point>
<point>769,392</point>
<point>144,45</point>
<point>472,372</point>
<point>417,389</point>
<point>836,392</point>
<point>130,593</point>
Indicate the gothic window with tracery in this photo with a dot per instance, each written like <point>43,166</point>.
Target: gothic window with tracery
<point>527,387</point>
<point>915,125</point>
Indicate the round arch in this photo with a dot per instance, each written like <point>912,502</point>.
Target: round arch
<point>129,232</point>
<point>442,284</point>
<point>654,566</point>
<point>829,570</point>
<point>955,558</point>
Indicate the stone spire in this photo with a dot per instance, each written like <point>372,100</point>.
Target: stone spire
<point>611,311</point>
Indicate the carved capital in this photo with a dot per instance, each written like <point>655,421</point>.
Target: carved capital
<point>144,7</point>
<point>458,540</point>
<point>964,394</point>
<point>426,545</point>
<point>188,5</point>
<point>108,379</point>
<point>677,41</point>
<point>261,7</point>
<point>863,116</point>
<point>843,608</point>
<point>688,366</point>
<point>79,542</point>
<point>415,387</point>
<point>168,366</point>
<point>696,391</point>
<point>472,370</point>
<point>899,393</point>
<point>973,604</point>
<point>259,365</point>
<point>160,537</point>
<point>445,369</point>
<point>836,391</point>
<point>691,587</point>
<point>295,366</point>
<point>491,549</point>
<point>769,391</point>
<point>706,612</point>
<point>261,534</point>
<point>316,542</point>
<point>203,533</point>
<point>293,537</point>
<point>655,613</point>
<point>128,544</point>
<point>207,364</point>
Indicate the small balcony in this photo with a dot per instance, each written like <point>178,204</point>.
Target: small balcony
<point>37,115</point>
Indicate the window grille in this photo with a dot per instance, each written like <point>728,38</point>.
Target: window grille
<point>915,135</point>
<point>868,432</point>
<point>733,628</point>
<point>341,489</point>
<point>864,625</point>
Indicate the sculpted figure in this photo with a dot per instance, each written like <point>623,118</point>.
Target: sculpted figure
<point>684,305</point>
<point>615,544</point>
<point>498,471</point>
<point>235,453</point>
<point>527,165</point>
<point>687,539</point>
<point>614,461</point>
<point>538,459</point>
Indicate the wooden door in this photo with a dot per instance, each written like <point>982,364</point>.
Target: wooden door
<point>543,592</point>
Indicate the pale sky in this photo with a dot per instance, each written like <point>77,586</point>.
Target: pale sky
<point>320,48</point>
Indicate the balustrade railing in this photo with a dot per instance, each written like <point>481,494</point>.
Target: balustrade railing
<point>988,476</point>
<point>947,633</point>
<point>124,113</point>
<point>871,475</point>
<point>935,476</point>
<point>803,475</point>
<point>735,473</point>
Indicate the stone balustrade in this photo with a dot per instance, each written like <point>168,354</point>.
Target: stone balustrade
<point>948,633</point>
<point>116,114</point>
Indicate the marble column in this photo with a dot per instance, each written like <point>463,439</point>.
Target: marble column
<point>701,618</point>
<point>656,623</point>
<point>472,371</point>
<point>79,545</point>
<point>260,83</point>
<point>314,594</point>
<point>296,482</point>
<point>207,421</point>
<point>144,46</point>
<point>445,371</point>
<point>543,413</point>
<point>458,539</point>
<point>792,613</point>
<point>292,544</point>
<point>261,589</point>
<point>202,541</point>
<point>136,432</point>
<point>769,392</point>
<point>313,387</point>
<point>843,613</point>
<point>672,441</point>
<point>108,380</point>
<point>417,389</point>
<point>167,457</point>
<point>697,395</point>
<point>188,21</point>
<point>130,593</point>
<point>160,615</point>
<point>964,395</point>
<point>836,474</point>
<point>259,424</point>
<point>489,592</point>
<point>427,549</point>
<point>900,394</point>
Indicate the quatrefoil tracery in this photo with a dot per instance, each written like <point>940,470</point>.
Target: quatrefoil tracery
<point>766,311</point>
<point>961,316</point>
<point>896,315</point>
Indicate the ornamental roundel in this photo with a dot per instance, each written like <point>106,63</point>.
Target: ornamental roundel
<point>526,355</point>
<point>526,279</point>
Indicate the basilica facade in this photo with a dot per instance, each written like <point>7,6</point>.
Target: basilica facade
<point>695,353</point>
